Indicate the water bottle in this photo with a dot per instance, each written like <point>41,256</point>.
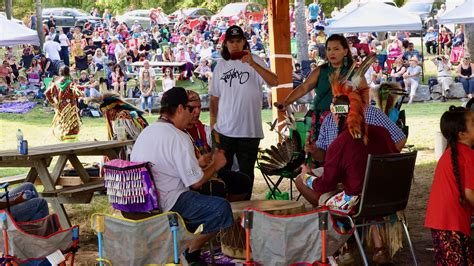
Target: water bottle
<point>19,139</point>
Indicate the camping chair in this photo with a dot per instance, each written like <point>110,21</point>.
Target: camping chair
<point>33,241</point>
<point>395,173</point>
<point>139,242</point>
<point>292,239</point>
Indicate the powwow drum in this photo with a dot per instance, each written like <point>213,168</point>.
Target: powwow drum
<point>233,239</point>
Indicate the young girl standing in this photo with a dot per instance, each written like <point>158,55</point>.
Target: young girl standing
<point>451,200</point>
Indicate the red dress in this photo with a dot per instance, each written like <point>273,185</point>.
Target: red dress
<point>444,211</point>
<point>64,94</point>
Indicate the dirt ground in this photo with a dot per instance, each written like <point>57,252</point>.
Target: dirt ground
<point>415,213</point>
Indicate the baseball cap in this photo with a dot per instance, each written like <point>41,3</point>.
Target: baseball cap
<point>174,97</point>
<point>234,31</point>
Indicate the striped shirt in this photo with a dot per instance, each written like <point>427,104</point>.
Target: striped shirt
<point>373,116</point>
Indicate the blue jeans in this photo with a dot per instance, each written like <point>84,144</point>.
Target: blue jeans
<point>64,54</point>
<point>213,212</point>
<point>146,101</point>
<point>468,85</point>
<point>33,208</point>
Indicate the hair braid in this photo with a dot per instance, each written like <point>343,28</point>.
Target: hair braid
<point>455,163</point>
<point>452,123</point>
<point>341,124</point>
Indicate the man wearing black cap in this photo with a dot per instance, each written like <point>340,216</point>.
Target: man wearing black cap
<point>175,169</point>
<point>236,100</point>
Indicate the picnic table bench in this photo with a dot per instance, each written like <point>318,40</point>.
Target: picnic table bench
<point>39,159</point>
<point>157,66</point>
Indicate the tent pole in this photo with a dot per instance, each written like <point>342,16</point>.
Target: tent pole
<point>422,58</point>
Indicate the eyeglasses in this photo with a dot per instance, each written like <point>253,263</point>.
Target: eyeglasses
<point>191,108</point>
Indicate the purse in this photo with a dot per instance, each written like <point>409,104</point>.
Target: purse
<point>130,186</point>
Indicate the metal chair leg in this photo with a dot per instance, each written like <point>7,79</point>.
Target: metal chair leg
<point>407,234</point>
<point>211,251</point>
<point>361,248</point>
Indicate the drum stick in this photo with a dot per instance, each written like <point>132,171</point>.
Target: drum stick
<point>217,138</point>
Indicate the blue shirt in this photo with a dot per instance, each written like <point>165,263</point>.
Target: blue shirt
<point>373,116</point>
<point>407,55</point>
<point>313,11</point>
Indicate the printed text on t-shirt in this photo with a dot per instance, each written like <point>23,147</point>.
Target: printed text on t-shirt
<point>233,73</point>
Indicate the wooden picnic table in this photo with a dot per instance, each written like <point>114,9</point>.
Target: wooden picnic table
<point>39,159</point>
<point>159,64</point>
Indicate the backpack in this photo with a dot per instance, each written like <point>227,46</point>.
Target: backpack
<point>130,186</point>
<point>431,82</point>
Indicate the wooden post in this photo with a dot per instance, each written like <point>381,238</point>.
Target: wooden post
<point>8,9</point>
<point>39,23</point>
<point>280,50</point>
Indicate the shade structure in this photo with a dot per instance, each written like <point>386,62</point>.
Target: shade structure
<point>375,17</point>
<point>462,14</point>
<point>12,33</point>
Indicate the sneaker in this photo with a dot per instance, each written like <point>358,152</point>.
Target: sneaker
<point>193,258</point>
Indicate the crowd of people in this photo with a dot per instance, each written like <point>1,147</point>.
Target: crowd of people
<point>233,60</point>
<point>98,49</point>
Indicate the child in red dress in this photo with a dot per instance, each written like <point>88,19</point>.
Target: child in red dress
<point>451,200</point>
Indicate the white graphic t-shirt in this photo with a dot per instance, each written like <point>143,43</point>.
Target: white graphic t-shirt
<point>239,88</point>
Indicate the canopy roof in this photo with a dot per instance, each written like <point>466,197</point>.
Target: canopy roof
<point>12,33</point>
<point>375,17</point>
<point>462,14</point>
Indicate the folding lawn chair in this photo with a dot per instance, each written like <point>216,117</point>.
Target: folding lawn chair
<point>154,240</point>
<point>299,239</point>
<point>29,243</point>
<point>395,173</point>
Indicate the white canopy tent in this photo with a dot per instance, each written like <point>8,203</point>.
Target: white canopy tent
<point>12,33</point>
<point>375,17</point>
<point>462,14</point>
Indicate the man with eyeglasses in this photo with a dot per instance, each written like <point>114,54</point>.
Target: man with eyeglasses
<point>176,169</point>
<point>232,185</point>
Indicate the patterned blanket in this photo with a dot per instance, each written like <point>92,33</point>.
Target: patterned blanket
<point>17,107</point>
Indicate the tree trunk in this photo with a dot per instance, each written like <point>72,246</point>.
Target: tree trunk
<point>8,8</point>
<point>469,39</point>
<point>301,35</point>
<point>39,23</point>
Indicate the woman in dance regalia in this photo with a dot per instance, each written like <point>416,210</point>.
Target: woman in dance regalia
<point>63,96</point>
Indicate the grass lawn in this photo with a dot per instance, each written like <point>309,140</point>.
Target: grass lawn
<point>423,119</point>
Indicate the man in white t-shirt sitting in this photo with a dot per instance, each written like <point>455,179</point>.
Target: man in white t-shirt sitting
<point>176,169</point>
